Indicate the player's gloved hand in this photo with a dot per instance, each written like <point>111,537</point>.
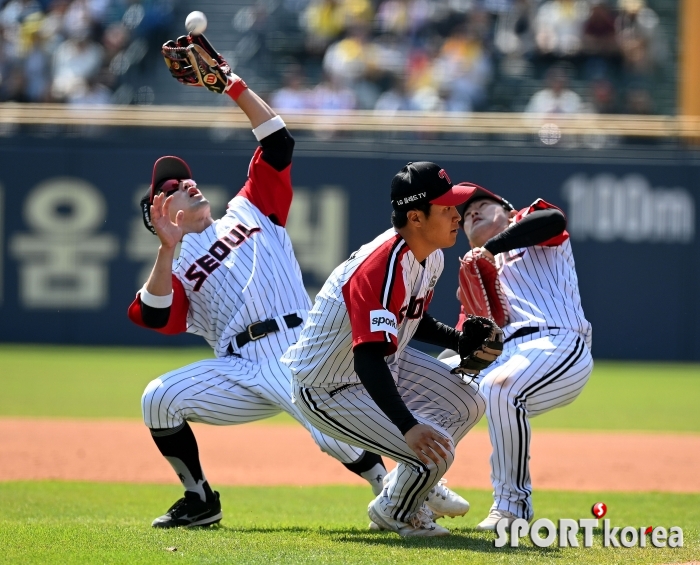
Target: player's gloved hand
<point>193,61</point>
<point>178,63</point>
<point>480,289</point>
<point>480,344</point>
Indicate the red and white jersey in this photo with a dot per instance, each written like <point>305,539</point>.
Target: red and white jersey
<point>540,284</point>
<point>378,295</point>
<point>240,270</point>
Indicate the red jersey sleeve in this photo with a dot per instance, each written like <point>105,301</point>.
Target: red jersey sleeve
<point>177,322</point>
<point>374,296</point>
<point>540,204</point>
<point>268,189</point>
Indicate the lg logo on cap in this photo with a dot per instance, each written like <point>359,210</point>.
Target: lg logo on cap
<point>443,175</point>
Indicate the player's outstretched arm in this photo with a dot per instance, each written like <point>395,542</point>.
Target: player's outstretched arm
<point>193,61</point>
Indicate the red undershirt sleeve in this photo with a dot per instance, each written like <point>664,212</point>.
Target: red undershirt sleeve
<point>177,320</point>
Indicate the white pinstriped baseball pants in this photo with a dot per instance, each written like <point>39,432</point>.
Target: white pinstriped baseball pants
<point>229,391</point>
<point>431,393</point>
<point>535,374</point>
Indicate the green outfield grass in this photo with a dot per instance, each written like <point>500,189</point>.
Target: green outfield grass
<point>85,523</point>
<point>67,382</point>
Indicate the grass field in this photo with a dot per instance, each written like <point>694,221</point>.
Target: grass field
<point>78,523</point>
<point>44,381</point>
<point>85,523</point>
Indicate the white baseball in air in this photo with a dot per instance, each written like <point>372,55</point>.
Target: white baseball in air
<point>196,23</point>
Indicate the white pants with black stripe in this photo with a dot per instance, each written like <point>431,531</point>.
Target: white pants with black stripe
<point>535,374</point>
<point>229,391</point>
<point>431,393</point>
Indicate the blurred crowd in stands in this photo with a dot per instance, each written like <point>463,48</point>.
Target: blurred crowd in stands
<point>541,56</point>
<point>75,51</point>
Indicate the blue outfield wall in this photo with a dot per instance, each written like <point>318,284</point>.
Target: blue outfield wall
<point>74,250</point>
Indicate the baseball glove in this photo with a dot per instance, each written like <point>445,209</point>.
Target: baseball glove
<point>480,344</point>
<point>193,61</point>
<point>480,289</point>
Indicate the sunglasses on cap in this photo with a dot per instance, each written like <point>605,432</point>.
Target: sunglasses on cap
<point>171,186</point>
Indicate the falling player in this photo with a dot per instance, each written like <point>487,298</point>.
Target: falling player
<point>520,270</point>
<point>236,283</point>
<point>354,376</point>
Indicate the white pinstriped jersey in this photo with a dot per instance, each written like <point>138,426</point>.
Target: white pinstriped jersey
<point>378,294</point>
<point>541,287</point>
<point>238,271</point>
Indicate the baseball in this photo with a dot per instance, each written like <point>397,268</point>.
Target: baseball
<point>196,23</point>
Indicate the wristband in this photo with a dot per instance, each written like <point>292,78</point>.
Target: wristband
<point>236,88</point>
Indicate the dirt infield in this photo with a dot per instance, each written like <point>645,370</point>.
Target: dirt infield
<point>110,451</point>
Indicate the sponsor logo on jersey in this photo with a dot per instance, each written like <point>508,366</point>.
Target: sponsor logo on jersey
<point>383,321</point>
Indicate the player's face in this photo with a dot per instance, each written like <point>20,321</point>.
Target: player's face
<point>441,226</point>
<point>483,219</point>
<point>190,200</point>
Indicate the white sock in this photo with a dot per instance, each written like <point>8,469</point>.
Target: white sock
<point>375,477</point>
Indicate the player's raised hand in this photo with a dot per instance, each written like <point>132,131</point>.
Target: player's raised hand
<point>193,61</point>
<point>428,444</point>
<point>170,233</point>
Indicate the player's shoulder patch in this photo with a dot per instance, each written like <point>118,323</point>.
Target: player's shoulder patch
<point>383,321</point>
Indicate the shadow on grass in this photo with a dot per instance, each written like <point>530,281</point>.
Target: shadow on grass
<point>459,540</point>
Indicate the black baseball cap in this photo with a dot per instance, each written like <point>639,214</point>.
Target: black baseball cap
<point>477,192</point>
<point>167,168</point>
<point>423,182</point>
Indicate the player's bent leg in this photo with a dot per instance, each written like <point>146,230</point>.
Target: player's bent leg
<point>432,392</point>
<point>200,392</point>
<point>349,414</point>
<point>273,383</point>
<point>209,391</point>
<point>564,390</point>
<point>429,390</point>
<point>531,368</point>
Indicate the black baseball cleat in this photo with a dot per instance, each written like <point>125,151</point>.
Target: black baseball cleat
<point>191,511</point>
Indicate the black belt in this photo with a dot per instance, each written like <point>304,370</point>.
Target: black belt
<point>257,330</point>
<point>522,332</point>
